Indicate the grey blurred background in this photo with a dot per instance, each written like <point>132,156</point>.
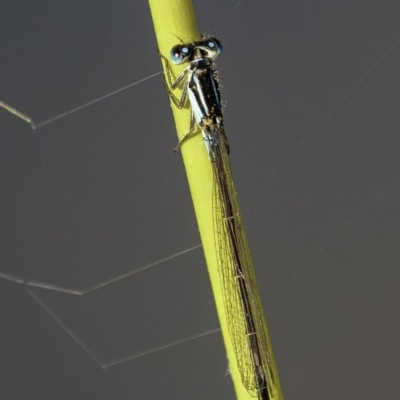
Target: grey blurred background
<point>96,203</point>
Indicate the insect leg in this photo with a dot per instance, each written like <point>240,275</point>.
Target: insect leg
<point>188,135</point>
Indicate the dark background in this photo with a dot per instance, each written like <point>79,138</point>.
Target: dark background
<point>312,90</point>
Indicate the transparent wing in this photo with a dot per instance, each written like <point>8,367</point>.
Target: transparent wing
<point>242,310</point>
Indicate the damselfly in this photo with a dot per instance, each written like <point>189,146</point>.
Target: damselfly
<point>199,83</point>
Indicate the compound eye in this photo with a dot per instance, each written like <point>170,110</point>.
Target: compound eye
<point>180,53</point>
<point>214,47</point>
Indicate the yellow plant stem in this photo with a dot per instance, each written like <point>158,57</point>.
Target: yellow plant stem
<point>175,19</point>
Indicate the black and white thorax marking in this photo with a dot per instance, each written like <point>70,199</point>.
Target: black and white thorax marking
<point>200,84</point>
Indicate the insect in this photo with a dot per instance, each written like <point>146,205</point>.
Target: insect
<point>199,83</point>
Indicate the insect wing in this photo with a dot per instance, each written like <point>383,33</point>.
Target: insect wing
<point>235,268</point>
